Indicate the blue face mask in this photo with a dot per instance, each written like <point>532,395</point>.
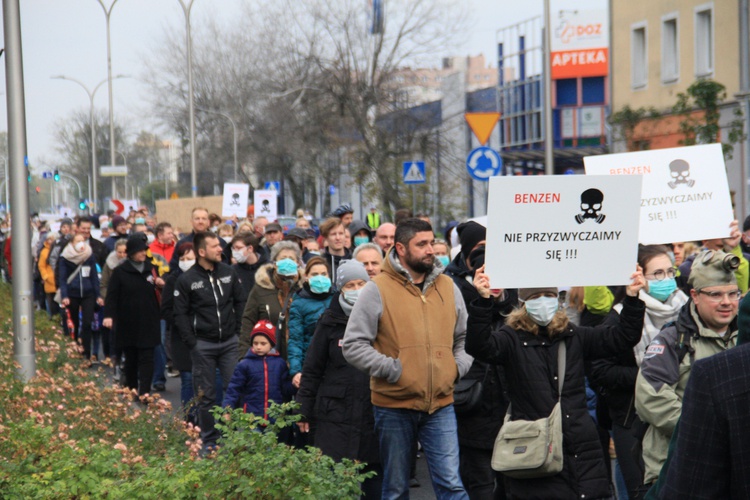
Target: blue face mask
<point>320,284</point>
<point>661,290</point>
<point>360,240</point>
<point>444,260</point>
<point>286,267</point>
<point>542,309</point>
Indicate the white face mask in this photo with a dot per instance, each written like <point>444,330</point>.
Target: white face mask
<point>542,309</point>
<point>239,256</point>
<point>150,238</point>
<point>79,246</point>
<point>228,239</point>
<point>186,264</point>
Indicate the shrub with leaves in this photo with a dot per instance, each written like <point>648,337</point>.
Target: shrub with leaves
<point>68,433</point>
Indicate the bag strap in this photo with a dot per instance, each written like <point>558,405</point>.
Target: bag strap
<point>560,368</point>
<point>72,276</point>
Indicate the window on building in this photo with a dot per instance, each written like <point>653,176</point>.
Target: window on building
<point>670,56</point>
<point>638,56</point>
<point>704,40</point>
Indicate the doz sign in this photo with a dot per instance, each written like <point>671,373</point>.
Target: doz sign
<point>580,44</point>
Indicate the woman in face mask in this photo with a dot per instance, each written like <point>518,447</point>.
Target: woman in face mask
<point>442,251</point>
<point>79,288</point>
<point>180,352</point>
<point>114,259</point>
<point>613,378</point>
<point>308,305</point>
<point>526,347</point>
<point>333,393</point>
<point>276,284</point>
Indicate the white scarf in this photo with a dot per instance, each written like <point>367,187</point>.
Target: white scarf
<point>70,254</point>
<point>658,314</point>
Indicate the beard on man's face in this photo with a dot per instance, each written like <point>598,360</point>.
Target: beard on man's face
<point>423,265</point>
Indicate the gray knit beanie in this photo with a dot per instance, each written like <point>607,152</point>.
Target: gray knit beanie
<point>350,270</point>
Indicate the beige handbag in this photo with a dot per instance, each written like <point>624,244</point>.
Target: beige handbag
<point>532,448</point>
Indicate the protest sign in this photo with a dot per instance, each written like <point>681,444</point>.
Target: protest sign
<point>685,194</point>
<point>235,200</point>
<point>265,203</point>
<point>567,230</point>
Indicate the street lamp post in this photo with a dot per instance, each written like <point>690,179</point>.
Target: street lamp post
<point>234,134</point>
<point>186,8</point>
<point>91,93</point>
<point>107,16</point>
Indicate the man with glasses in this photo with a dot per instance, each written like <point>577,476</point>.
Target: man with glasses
<point>706,325</point>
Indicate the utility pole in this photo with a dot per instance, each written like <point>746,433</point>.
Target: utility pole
<point>23,308</point>
<point>549,152</point>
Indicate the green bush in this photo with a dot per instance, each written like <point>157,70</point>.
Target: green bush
<point>67,434</point>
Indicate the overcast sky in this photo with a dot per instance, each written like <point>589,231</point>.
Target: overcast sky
<point>68,37</point>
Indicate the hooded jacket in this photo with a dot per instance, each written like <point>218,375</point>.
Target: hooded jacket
<point>409,340</point>
<point>257,381</point>
<point>270,297</point>
<point>208,304</point>
<point>303,316</point>
<point>529,363</point>
<point>663,376</point>
<point>334,261</point>
<point>45,270</point>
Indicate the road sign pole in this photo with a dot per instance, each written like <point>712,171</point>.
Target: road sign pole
<point>414,199</point>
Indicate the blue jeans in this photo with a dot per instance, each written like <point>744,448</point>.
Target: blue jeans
<point>397,431</point>
<point>160,358</point>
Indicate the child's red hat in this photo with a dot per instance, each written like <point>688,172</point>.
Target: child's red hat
<point>265,328</point>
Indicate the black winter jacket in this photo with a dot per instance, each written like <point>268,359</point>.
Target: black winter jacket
<point>180,352</point>
<point>530,366</point>
<point>208,305</point>
<point>246,272</point>
<point>335,395</point>
<point>131,302</point>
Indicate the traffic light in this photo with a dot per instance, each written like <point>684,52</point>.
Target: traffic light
<point>56,175</point>
<point>38,190</point>
<point>82,205</point>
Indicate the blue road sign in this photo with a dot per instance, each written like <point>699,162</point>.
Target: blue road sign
<point>273,186</point>
<point>414,172</point>
<point>331,189</point>
<point>46,175</point>
<point>483,163</point>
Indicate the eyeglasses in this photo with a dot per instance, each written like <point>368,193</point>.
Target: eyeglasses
<point>661,274</point>
<point>717,297</point>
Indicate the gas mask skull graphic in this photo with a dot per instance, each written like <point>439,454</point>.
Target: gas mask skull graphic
<point>591,205</point>
<point>680,171</point>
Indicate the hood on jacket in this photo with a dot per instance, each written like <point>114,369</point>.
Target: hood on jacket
<point>357,226</point>
<point>265,276</point>
<point>251,355</point>
<point>393,266</point>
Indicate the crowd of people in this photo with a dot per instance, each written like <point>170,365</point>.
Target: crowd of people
<point>391,340</point>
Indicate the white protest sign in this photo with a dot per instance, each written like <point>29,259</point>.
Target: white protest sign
<point>562,230</point>
<point>685,193</point>
<point>130,206</point>
<point>235,200</point>
<point>265,204</point>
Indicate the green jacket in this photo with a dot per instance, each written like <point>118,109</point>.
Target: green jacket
<point>663,377</point>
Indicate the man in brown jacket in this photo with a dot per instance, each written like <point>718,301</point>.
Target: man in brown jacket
<point>407,331</point>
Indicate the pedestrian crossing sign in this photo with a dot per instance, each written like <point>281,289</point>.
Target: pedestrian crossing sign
<point>414,172</point>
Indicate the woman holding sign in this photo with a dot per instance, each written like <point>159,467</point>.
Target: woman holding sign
<point>528,347</point>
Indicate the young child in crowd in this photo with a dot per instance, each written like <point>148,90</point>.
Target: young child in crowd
<point>261,377</point>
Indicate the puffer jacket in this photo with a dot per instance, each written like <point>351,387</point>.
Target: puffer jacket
<point>208,304</point>
<point>304,313</point>
<point>257,381</point>
<point>663,378</point>
<point>45,270</point>
<point>530,365</point>
<point>84,284</point>
<point>270,299</point>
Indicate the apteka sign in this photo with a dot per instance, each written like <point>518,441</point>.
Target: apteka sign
<point>562,230</point>
<point>685,193</point>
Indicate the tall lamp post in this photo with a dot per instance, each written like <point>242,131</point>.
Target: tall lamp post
<point>107,16</point>
<point>91,94</point>
<point>186,8</point>
<point>234,134</point>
